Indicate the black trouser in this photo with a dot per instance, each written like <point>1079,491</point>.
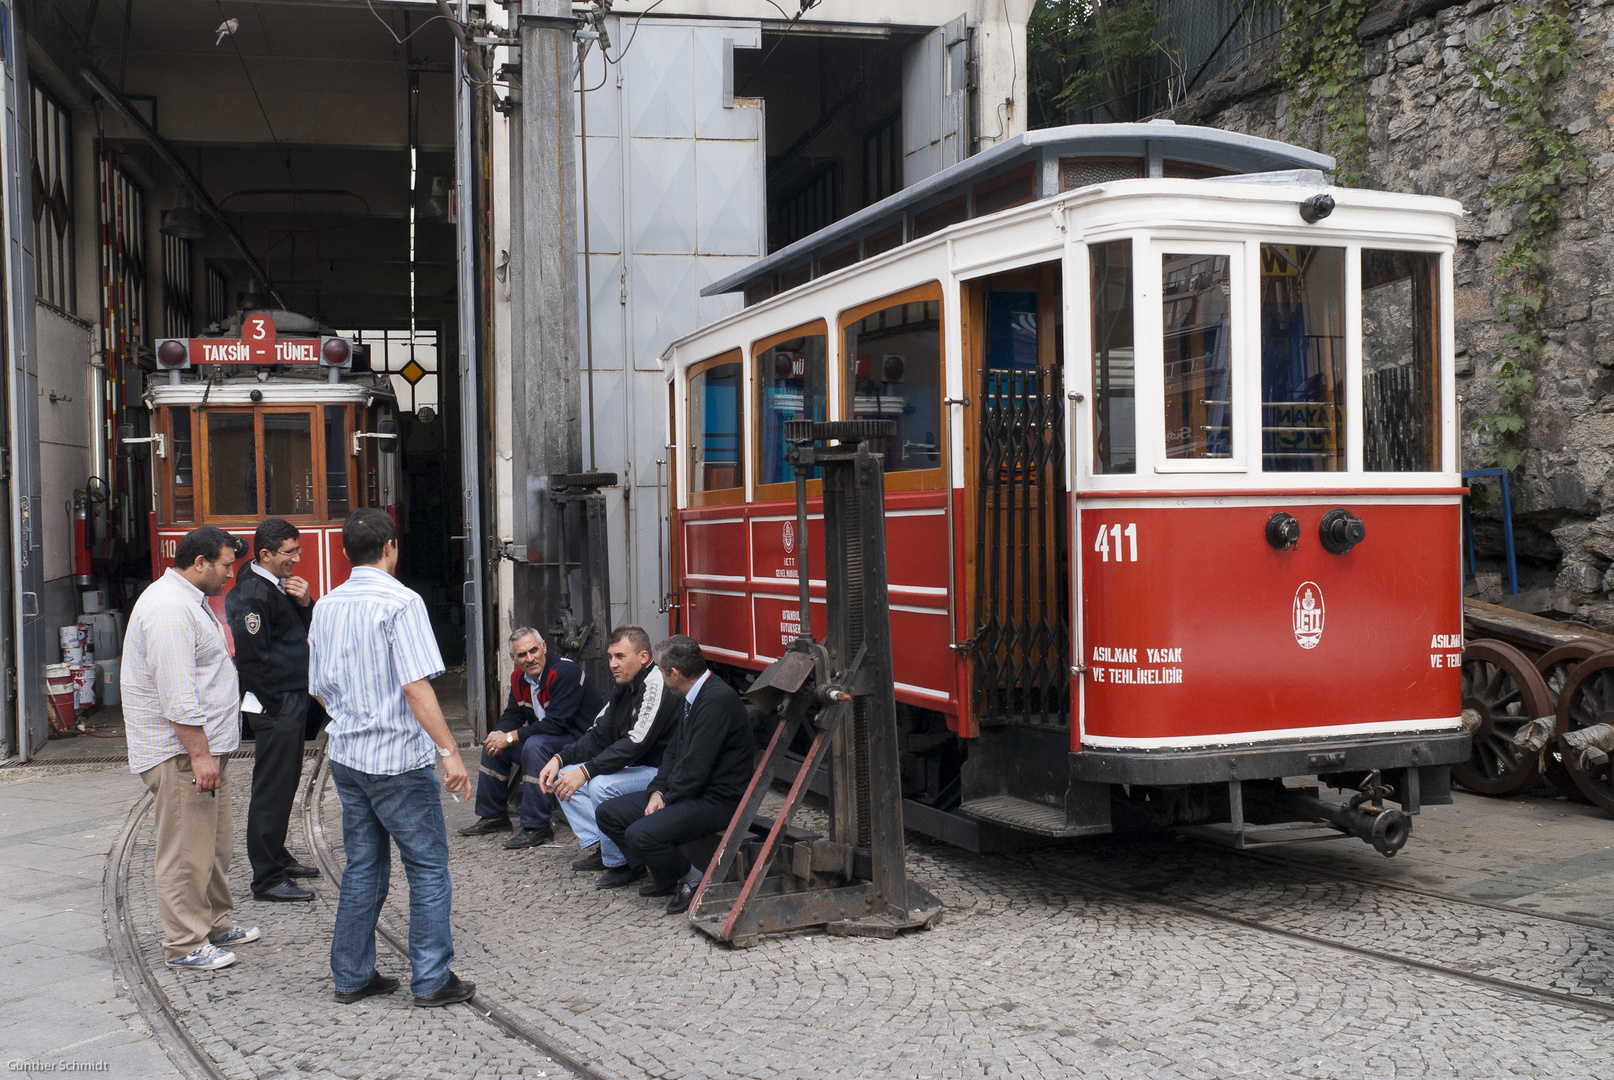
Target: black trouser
<point>653,841</point>
<point>276,770</point>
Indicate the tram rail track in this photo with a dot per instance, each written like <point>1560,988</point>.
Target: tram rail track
<point>485,1007</point>
<point>176,1041</point>
<point>1594,1006</point>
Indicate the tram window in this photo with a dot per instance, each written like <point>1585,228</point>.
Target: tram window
<point>715,424</point>
<point>336,462</point>
<point>179,420</point>
<point>791,385</point>
<point>288,464</point>
<point>1400,366</point>
<point>894,372</point>
<point>1115,448</point>
<point>232,465</point>
<point>1197,297</point>
<point>1302,358</point>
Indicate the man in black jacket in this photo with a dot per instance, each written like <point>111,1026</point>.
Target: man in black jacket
<point>619,754</point>
<point>269,611</point>
<point>703,776</point>
<point>551,704</point>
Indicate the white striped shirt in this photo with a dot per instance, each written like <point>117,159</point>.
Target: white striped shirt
<point>370,638</point>
<point>177,670</point>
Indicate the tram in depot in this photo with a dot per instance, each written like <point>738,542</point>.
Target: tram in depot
<point>1173,499</point>
<point>278,419</point>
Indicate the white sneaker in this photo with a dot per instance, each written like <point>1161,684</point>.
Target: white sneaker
<point>207,958</point>
<point>240,935</point>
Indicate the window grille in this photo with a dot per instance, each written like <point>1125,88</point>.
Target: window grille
<point>177,299</point>
<point>53,201</point>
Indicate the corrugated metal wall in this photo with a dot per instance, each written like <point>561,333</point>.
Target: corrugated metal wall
<point>675,198</point>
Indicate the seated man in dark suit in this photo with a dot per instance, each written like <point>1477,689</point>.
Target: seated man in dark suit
<point>703,776</point>
<point>551,704</point>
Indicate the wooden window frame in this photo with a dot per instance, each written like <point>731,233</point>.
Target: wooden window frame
<point>786,490</point>
<point>201,447</point>
<point>722,495</point>
<point>1024,174</point>
<point>933,219</point>
<point>912,479</point>
<point>350,420</point>
<point>166,514</point>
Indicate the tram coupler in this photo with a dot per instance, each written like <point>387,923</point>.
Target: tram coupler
<point>1364,817</point>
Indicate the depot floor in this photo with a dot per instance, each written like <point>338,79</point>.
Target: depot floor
<point>1040,967</point>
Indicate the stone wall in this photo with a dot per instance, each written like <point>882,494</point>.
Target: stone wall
<point>1431,131</point>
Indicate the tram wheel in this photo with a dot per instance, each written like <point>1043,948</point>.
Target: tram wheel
<point>1556,665</point>
<point>1588,700</point>
<point>1504,688</point>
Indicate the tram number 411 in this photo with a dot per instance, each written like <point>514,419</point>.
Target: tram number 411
<point>1123,552</point>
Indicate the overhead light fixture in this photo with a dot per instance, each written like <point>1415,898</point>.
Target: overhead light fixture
<point>184,221</point>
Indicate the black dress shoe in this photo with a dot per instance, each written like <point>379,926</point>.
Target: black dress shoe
<point>656,888</point>
<point>530,838</point>
<point>283,892</point>
<point>680,899</point>
<point>486,825</point>
<point>618,876</point>
<point>450,993</point>
<point>592,861</point>
<point>299,870</point>
<point>381,984</point>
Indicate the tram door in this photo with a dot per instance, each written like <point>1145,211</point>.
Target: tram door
<point>1015,500</point>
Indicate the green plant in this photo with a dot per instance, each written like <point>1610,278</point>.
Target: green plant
<point>1538,45</point>
<point>1321,61</point>
<point>1084,54</point>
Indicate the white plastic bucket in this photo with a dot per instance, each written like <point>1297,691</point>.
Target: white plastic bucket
<point>84,685</point>
<point>72,637</point>
<point>73,654</point>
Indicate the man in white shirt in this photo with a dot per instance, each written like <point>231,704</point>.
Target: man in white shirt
<point>181,715</point>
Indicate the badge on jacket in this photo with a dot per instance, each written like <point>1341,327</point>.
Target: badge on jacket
<point>254,622</point>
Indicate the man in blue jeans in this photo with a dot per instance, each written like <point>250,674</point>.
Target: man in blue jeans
<point>371,658</point>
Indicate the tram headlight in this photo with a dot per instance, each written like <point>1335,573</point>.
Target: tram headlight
<point>1316,208</point>
<point>1283,531</point>
<point>1340,531</point>
<point>335,352</point>
<point>173,354</point>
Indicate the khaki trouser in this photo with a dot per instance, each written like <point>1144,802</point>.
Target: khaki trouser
<point>195,832</point>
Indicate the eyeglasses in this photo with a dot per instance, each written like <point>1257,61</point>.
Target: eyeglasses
<point>290,551</point>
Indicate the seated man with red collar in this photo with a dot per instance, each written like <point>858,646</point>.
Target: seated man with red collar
<point>551,704</point>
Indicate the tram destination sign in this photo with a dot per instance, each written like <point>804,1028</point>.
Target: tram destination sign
<point>193,352</point>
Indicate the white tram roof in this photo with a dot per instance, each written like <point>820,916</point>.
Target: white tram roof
<point>1256,205</point>
<point>281,388</point>
<point>1061,159</point>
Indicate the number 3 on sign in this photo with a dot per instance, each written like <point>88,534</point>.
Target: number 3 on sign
<point>1126,553</point>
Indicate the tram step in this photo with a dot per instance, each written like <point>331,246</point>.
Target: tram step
<point>1025,815</point>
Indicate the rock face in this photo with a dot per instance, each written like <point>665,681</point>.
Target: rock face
<point>1431,131</point>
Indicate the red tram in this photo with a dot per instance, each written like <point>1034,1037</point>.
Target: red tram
<point>263,425</point>
<point>1173,507</point>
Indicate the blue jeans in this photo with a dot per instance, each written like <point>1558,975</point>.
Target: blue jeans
<point>407,809</point>
<point>586,799</point>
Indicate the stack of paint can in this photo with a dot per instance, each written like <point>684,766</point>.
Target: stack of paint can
<point>76,655</point>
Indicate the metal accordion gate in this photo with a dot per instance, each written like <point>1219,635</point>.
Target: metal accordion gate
<point>1022,537</point>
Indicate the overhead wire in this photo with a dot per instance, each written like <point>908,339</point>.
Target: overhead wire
<point>412,33</point>
<point>806,6</point>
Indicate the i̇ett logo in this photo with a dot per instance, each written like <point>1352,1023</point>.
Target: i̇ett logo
<point>790,537</point>
<point>1308,614</point>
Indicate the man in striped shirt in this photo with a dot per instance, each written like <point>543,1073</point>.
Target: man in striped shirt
<point>371,660</point>
<point>182,717</point>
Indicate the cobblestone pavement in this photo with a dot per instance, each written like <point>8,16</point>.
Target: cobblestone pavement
<point>1038,969</point>
<point>271,1014</point>
<point>1032,973</point>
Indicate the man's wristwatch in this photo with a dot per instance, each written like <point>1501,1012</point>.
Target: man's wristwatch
<point>511,740</point>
